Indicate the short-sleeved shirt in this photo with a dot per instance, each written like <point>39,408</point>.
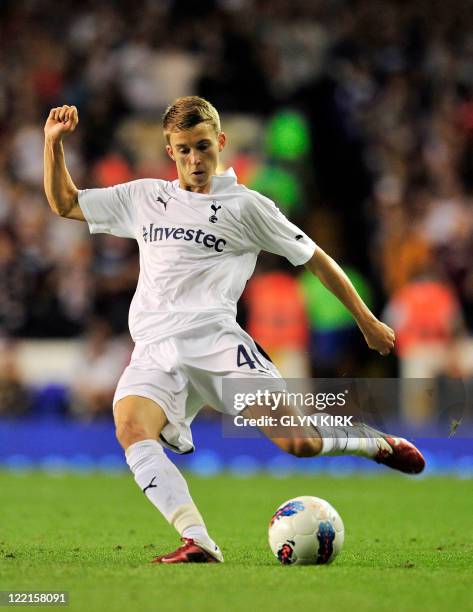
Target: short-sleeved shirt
<point>197,251</point>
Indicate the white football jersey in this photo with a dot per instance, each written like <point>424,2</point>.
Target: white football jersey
<point>196,250</point>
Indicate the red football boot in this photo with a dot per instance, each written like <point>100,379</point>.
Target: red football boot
<point>190,552</point>
<point>396,453</point>
<point>401,455</point>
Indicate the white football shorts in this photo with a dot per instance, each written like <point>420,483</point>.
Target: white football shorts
<point>185,372</point>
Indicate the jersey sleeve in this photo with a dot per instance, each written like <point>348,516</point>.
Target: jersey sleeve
<point>267,229</point>
<point>110,210</point>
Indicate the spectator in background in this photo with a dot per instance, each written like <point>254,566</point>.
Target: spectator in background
<point>14,396</point>
<point>333,346</point>
<point>455,261</point>
<point>75,284</point>
<point>115,269</point>
<point>14,284</point>
<point>426,317</point>
<point>400,251</point>
<point>332,330</point>
<point>97,371</point>
<point>277,320</point>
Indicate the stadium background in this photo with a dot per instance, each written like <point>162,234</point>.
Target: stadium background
<point>355,117</point>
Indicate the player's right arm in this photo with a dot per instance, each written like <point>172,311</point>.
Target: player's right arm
<point>61,193</point>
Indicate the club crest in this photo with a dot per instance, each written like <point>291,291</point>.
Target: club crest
<point>213,217</point>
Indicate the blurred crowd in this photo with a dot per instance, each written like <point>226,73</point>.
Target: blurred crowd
<point>355,116</point>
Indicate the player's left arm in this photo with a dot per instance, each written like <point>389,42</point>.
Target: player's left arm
<point>378,336</point>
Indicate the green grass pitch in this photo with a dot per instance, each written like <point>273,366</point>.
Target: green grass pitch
<point>408,546</point>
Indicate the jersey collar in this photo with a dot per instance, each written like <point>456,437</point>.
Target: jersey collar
<point>221,182</point>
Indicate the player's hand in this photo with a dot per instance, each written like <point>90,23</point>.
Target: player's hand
<point>61,122</point>
<point>379,337</point>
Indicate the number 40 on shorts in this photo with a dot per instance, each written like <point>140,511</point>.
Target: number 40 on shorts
<point>243,358</point>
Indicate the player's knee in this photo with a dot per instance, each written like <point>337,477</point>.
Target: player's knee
<point>304,447</point>
<point>128,431</point>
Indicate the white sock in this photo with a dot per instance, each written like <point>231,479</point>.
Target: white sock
<point>342,441</point>
<point>197,532</point>
<point>165,487</point>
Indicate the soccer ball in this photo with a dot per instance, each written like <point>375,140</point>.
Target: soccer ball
<point>306,531</point>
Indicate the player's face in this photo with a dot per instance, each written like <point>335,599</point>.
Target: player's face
<point>196,152</point>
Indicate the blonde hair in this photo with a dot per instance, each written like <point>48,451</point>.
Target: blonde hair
<point>186,112</point>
